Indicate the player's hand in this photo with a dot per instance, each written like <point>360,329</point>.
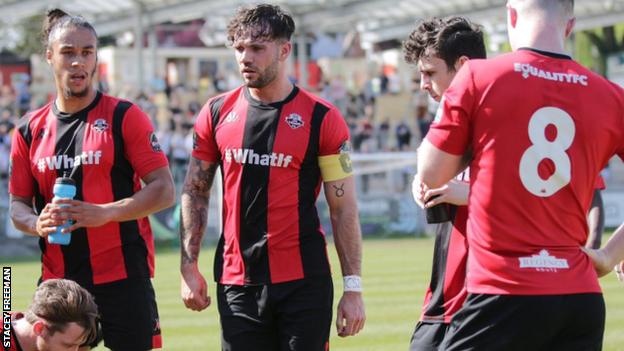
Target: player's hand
<point>47,222</point>
<point>454,192</point>
<point>351,316</point>
<point>83,214</point>
<point>602,263</point>
<point>418,191</point>
<point>194,289</point>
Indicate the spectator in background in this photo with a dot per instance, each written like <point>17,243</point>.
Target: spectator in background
<point>403,136</point>
<point>383,134</point>
<point>423,118</point>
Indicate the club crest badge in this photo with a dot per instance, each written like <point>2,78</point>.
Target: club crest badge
<point>100,125</point>
<point>294,121</point>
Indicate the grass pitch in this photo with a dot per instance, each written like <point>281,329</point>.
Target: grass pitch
<point>396,274</point>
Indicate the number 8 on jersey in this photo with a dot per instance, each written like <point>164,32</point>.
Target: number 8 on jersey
<point>542,149</point>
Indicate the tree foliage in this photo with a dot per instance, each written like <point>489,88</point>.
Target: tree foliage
<point>594,46</point>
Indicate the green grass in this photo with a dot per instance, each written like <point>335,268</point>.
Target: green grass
<point>396,273</point>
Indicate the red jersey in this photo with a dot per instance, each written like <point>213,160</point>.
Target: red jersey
<point>268,155</point>
<point>107,147</point>
<point>537,152</point>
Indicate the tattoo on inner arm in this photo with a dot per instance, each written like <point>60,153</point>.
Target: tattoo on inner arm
<point>194,208</point>
<point>339,190</point>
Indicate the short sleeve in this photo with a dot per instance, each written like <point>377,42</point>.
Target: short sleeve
<point>334,134</point>
<point>141,146</point>
<point>450,130</point>
<point>204,144</point>
<point>21,181</point>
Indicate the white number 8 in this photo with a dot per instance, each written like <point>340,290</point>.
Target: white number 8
<point>542,148</point>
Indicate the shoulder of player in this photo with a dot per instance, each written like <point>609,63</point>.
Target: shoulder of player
<point>31,117</point>
<point>235,93</point>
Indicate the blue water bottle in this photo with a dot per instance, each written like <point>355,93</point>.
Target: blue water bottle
<point>64,188</point>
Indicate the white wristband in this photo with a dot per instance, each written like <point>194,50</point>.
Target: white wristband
<point>352,283</point>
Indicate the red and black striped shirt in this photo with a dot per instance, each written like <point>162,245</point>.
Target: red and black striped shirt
<point>268,155</point>
<point>108,147</point>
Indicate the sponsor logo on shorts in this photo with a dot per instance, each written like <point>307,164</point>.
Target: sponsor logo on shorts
<point>527,70</point>
<point>543,262</point>
<point>248,156</point>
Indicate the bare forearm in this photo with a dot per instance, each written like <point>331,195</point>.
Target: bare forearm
<point>436,167</point>
<point>614,248</point>
<point>340,195</point>
<point>348,240</point>
<point>193,221</point>
<point>154,197</point>
<point>24,218</point>
<point>194,209</point>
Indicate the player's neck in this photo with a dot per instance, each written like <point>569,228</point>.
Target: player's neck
<point>25,335</point>
<point>74,104</point>
<point>277,90</point>
<point>545,38</point>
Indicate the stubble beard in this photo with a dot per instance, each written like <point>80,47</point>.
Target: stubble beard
<point>265,78</point>
<point>68,93</point>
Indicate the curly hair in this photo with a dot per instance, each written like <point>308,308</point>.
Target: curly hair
<point>262,21</point>
<point>447,38</point>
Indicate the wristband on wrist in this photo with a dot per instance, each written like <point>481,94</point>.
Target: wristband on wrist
<point>352,283</point>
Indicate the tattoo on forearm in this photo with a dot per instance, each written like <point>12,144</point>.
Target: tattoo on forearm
<point>339,190</point>
<point>194,208</point>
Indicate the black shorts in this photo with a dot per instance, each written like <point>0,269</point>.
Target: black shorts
<point>293,316</point>
<point>428,336</point>
<point>515,322</point>
<point>128,315</point>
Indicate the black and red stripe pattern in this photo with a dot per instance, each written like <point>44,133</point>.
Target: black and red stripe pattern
<point>106,147</point>
<point>269,158</point>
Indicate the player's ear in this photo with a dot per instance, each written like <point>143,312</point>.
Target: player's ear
<point>512,15</point>
<point>460,62</point>
<point>285,49</point>
<point>570,26</point>
<point>40,328</point>
<point>48,54</point>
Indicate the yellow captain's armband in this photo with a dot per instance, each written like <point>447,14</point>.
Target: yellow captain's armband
<point>336,167</point>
